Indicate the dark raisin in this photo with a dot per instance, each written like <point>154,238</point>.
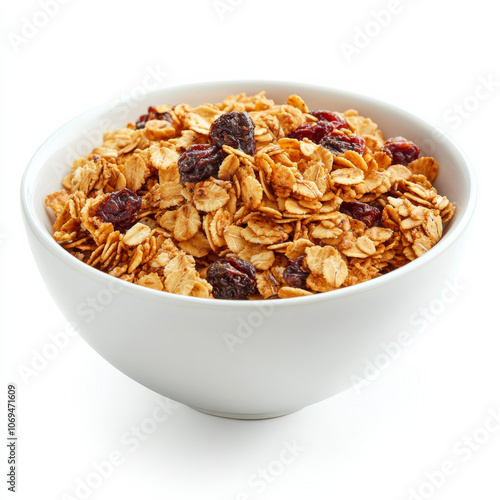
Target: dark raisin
<point>294,274</point>
<point>120,208</point>
<point>401,150</point>
<point>366,213</point>
<point>235,129</point>
<point>312,131</point>
<point>152,114</point>
<point>338,121</point>
<point>340,143</point>
<point>200,162</point>
<point>232,279</point>
<point>243,266</point>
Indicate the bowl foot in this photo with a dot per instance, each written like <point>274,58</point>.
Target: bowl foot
<point>244,416</point>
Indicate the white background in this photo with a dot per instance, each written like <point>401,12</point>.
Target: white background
<point>378,441</point>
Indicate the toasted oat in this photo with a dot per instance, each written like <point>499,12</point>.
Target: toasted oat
<point>208,196</point>
<point>187,222</point>
<point>135,171</point>
<point>151,280</point>
<point>287,292</point>
<point>136,234</point>
<point>426,166</point>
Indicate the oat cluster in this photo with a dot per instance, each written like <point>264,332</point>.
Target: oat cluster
<point>275,209</point>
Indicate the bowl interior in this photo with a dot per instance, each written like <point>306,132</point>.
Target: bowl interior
<point>78,137</point>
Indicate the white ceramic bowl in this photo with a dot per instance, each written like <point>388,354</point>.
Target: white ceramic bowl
<point>243,359</point>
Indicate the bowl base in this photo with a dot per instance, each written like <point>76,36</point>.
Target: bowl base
<point>244,416</point>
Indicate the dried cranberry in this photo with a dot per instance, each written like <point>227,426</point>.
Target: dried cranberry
<point>304,131</point>
<point>366,213</point>
<point>232,279</point>
<point>200,162</point>
<point>340,143</point>
<point>235,129</point>
<point>294,274</point>
<point>401,150</point>
<point>152,114</point>
<point>120,208</point>
<point>313,131</point>
<point>338,121</point>
<point>141,122</point>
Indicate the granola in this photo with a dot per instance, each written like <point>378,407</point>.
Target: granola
<point>293,203</point>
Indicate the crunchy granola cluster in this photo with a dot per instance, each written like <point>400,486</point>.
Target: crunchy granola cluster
<point>287,209</point>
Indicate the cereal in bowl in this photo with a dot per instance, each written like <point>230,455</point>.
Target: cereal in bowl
<point>249,199</point>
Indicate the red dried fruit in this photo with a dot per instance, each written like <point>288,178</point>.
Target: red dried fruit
<point>366,213</point>
<point>338,121</point>
<point>152,114</point>
<point>200,162</point>
<point>312,131</point>
<point>232,279</point>
<point>401,150</point>
<point>340,143</point>
<point>120,208</point>
<point>294,274</point>
<point>235,129</point>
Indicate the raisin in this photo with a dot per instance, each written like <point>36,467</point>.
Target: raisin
<point>294,274</point>
<point>152,114</point>
<point>235,129</point>
<point>232,279</point>
<point>243,266</point>
<point>401,150</point>
<point>340,143</point>
<point>335,119</point>
<point>312,131</point>
<point>366,213</point>
<point>200,162</point>
<point>120,208</point>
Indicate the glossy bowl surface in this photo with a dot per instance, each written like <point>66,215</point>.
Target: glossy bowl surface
<point>244,359</point>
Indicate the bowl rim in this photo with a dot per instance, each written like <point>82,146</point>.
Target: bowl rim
<point>35,166</point>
